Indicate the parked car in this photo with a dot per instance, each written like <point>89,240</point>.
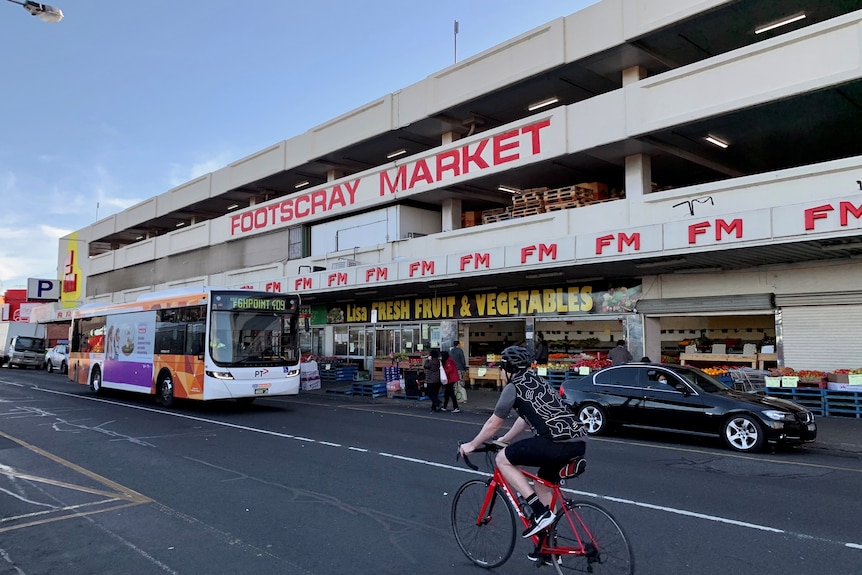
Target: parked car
<point>57,358</point>
<point>689,401</point>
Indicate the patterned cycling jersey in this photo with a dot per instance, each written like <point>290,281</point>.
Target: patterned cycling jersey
<point>541,408</point>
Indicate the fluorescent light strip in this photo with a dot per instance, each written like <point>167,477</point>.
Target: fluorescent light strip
<point>301,184</point>
<point>661,263</point>
<point>780,23</point>
<point>716,142</point>
<point>232,207</point>
<point>542,104</point>
<point>396,153</point>
<point>508,189</point>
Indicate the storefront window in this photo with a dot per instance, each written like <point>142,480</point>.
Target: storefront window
<point>312,341</point>
<point>342,340</point>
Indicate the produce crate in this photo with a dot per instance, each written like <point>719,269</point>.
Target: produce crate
<point>344,373</point>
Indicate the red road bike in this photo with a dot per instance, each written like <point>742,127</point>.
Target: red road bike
<point>584,538</point>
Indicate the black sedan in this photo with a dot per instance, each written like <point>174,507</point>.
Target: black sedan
<point>685,399</point>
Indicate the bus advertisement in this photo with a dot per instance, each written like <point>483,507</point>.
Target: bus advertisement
<point>200,343</point>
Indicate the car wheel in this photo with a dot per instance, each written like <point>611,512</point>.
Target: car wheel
<point>96,381</point>
<point>49,366</point>
<point>743,433</point>
<point>64,368</point>
<point>166,390</point>
<point>593,418</point>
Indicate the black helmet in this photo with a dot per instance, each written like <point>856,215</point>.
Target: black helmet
<point>515,358</point>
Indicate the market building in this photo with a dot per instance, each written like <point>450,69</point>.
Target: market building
<point>681,174</point>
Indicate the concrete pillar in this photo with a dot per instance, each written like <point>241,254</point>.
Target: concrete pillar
<point>449,137</point>
<point>633,74</point>
<point>638,175</point>
<point>334,175</point>
<point>451,214</point>
<point>652,338</point>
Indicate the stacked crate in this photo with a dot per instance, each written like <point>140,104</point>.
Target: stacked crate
<point>495,215</point>
<point>568,197</point>
<point>528,202</point>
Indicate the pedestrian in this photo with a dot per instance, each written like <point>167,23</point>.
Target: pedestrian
<point>451,382</point>
<point>620,354</point>
<point>460,361</point>
<point>432,379</point>
<point>541,350</point>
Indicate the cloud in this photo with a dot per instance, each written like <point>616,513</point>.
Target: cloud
<point>180,174</point>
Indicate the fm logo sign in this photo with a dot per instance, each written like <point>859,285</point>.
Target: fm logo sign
<point>260,372</point>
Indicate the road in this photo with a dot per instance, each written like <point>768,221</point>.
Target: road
<point>314,485</point>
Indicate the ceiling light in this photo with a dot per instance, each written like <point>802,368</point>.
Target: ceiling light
<point>442,285</point>
<point>585,280</point>
<point>366,292</point>
<point>779,23</point>
<point>662,263</point>
<point>181,224</point>
<point>543,275</point>
<point>139,238</point>
<point>716,142</point>
<point>706,270</point>
<point>543,103</point>
<point>508,189</point>
<point>232,207</point>
<point>301,184</point>
<point>396,153</point>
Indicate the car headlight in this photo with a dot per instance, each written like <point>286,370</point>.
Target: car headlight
<point>220,374</point>
<point>776,415</point>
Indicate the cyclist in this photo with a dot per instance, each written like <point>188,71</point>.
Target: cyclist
<point>558,435</point>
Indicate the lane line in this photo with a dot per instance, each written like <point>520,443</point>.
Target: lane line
<point>419,461</point>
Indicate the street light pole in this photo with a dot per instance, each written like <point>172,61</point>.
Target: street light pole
<point>45,12</point>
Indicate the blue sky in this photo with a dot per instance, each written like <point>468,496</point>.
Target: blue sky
<point>124,100</point>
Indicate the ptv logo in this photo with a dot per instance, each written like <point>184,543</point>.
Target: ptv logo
<point>260,372</point>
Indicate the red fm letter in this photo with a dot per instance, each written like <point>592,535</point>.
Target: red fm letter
<point>377,274</point>
<point>848,208</point>
<point>633,240</point>
<point>722,226</point>
<point>273,286</point>
<point>550,251</point>
<point>302,283</point>
<point>695,230</point>
<point>527,252</point>
<point>818,213</point>
<point>602,242</point>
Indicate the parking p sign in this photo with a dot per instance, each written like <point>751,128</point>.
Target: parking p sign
<point>44,290</point>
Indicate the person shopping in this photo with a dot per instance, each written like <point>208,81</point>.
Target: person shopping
<point>452,380</point>
<point>432,379</point>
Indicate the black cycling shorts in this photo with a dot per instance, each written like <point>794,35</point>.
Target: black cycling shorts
<point>548,455</point>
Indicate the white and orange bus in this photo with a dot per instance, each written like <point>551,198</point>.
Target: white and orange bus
<point>199,343</point>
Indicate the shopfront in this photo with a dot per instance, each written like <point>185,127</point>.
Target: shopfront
<point>574,319</point>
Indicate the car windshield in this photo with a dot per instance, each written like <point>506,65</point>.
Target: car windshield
<point>700,379</point>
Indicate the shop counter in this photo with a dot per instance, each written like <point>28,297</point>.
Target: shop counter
<point>480,373</point>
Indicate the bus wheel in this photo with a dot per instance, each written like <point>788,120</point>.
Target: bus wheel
<point>166,390</point>
<point>245,400</point>
<point>96,381</point>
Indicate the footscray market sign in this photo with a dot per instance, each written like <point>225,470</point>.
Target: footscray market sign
<point>570,300</point>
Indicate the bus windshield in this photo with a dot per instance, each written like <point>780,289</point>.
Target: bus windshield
<point>250,338</point>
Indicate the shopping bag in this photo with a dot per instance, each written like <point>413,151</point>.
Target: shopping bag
<point>460,393</point>
<point>443,379</point>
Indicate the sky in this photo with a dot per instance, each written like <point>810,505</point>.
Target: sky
<point>124,100</point>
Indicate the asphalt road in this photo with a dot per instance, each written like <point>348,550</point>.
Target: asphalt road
<point>313,485</point>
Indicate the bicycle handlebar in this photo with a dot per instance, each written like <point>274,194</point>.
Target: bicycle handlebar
<point>492,446</point>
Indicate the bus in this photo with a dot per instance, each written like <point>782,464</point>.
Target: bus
<point>201,343</point>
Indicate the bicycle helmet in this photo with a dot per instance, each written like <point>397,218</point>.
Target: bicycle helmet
<point>515,359</point>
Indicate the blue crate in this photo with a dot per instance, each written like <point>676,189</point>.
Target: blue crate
<point>373,389</point>
<point>812,399</point>
<point>843,403</point>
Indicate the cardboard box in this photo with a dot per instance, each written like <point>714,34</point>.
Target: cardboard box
<point>835,386</point>
<point>470,219</point>
<point>838,377</point>
<point>772,381</point>
<point>600,190</point>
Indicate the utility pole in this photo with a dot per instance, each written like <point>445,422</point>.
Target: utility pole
<point>456,41</point>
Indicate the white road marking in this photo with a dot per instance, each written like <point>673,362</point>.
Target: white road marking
<point>645,505</point>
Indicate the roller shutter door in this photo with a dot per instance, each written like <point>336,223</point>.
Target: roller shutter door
<point>821,337</point>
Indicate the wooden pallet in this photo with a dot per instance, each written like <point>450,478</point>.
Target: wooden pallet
<point>522,212</point>
<point>569,193</point>
<point>495,215</point>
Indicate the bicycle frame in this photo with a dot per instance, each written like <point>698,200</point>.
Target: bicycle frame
<point>557,501</point>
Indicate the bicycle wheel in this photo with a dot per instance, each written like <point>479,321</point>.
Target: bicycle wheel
<point>595,541</point>
<point>488,541</point>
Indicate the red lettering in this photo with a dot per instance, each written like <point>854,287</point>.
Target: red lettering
<point>695,230</point>
<point>464,261</point>
<point>468,158</point>
<point>414,267</point>
<point>633,240</point>
<point>814,214</point>
<point>449,162</point>
<point>602,242</point>
<point>318,200</point>
<point>722,226</point>
<point>427,267</point>
<point>302,212</point>
<point>273,287</point>
<point>398,184</point>
<point>535,140</point>
<point>421,172</point>
<point>526,252</point>
<point>302,283</point>
<point>500,146</point>
<point>286,208</point>
<point>376,274</point>
<point>483,260</point>
<point>846,208</point>
<point>339,278</point>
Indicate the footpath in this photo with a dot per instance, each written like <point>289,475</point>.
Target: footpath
<point>841,435</point>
